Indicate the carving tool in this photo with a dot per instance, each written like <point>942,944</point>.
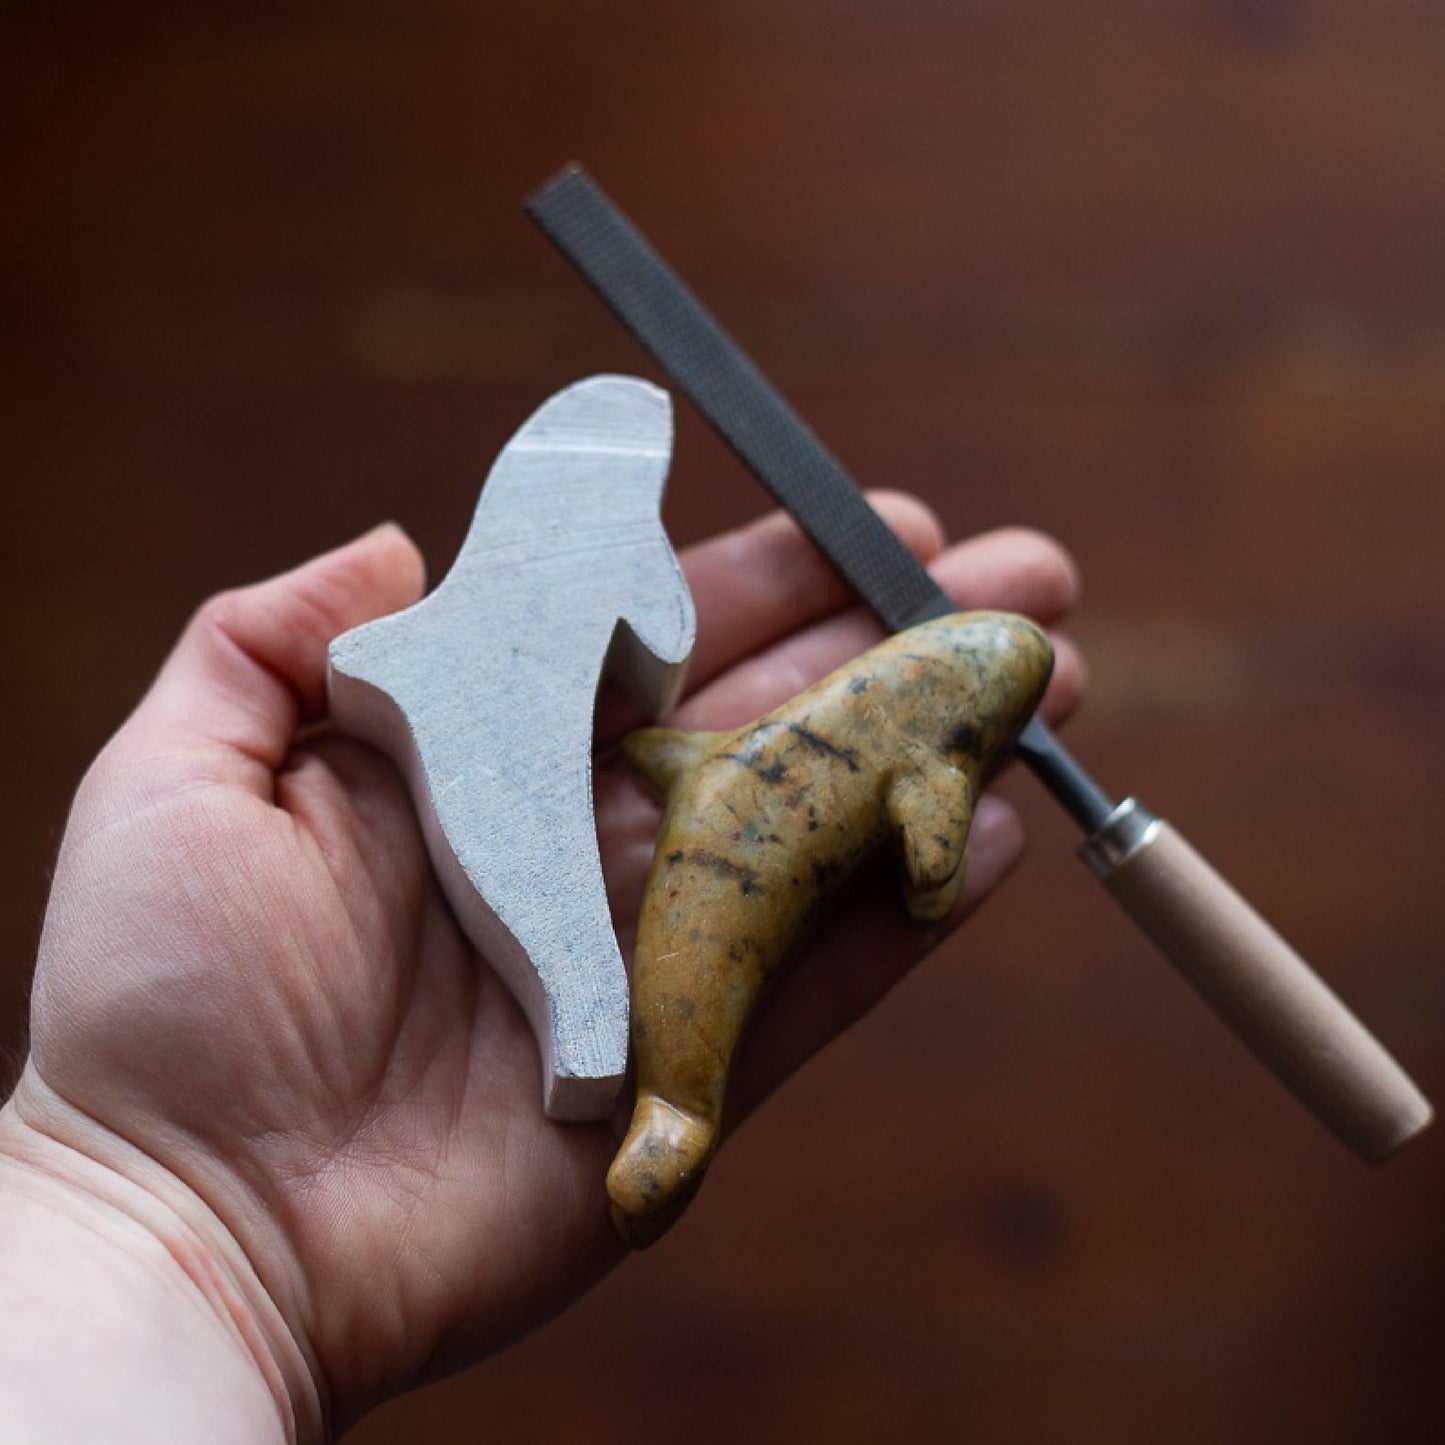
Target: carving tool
<point>1252,978</point>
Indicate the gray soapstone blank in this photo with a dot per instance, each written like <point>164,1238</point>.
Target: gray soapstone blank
<point>484,692</point>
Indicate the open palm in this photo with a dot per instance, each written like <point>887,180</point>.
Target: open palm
<point>250,984</point>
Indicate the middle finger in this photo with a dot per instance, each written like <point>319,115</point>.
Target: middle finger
<point>1013,570</point>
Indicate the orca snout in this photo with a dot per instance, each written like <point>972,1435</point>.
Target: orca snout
<point>1033,660</point>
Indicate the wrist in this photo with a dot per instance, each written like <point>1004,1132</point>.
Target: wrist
<point>132,1301</point>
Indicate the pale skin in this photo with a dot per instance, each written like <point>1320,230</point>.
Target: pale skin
<point>278,1150</point>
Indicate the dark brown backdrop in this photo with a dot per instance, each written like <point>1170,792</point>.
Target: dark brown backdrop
<point>1164,278</point>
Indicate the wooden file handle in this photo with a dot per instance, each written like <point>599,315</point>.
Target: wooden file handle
<point>1257,983</point>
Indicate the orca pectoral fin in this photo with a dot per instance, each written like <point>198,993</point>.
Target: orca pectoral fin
<point>933,906</point>
<point>663,755</point>
<point>930,803</point>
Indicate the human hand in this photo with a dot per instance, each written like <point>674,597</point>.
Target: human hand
<point>258,1033</point>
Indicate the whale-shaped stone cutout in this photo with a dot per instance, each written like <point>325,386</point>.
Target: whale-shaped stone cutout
<point>765,827</point>
<point>484,692</point>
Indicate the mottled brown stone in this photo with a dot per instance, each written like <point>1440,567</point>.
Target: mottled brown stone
<point>765,826</point>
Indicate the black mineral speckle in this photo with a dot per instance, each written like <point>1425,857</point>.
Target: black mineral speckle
<point>747,878</point>
<point>819,744</point>
<point>826,872</point>
<point>964,739</point>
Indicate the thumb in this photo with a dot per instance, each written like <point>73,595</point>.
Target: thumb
<point>250,666</point>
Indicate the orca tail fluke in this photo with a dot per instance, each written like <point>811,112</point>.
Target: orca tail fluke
<point>659,1168</point>
<point>663,755</point>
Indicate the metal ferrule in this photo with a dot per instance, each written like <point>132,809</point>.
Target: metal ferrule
<point>1128,828</point>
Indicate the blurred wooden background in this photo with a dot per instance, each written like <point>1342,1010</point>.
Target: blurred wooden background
<point>1166,278</point>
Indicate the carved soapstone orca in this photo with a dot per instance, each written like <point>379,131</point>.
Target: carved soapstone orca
<point>763,829</point>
